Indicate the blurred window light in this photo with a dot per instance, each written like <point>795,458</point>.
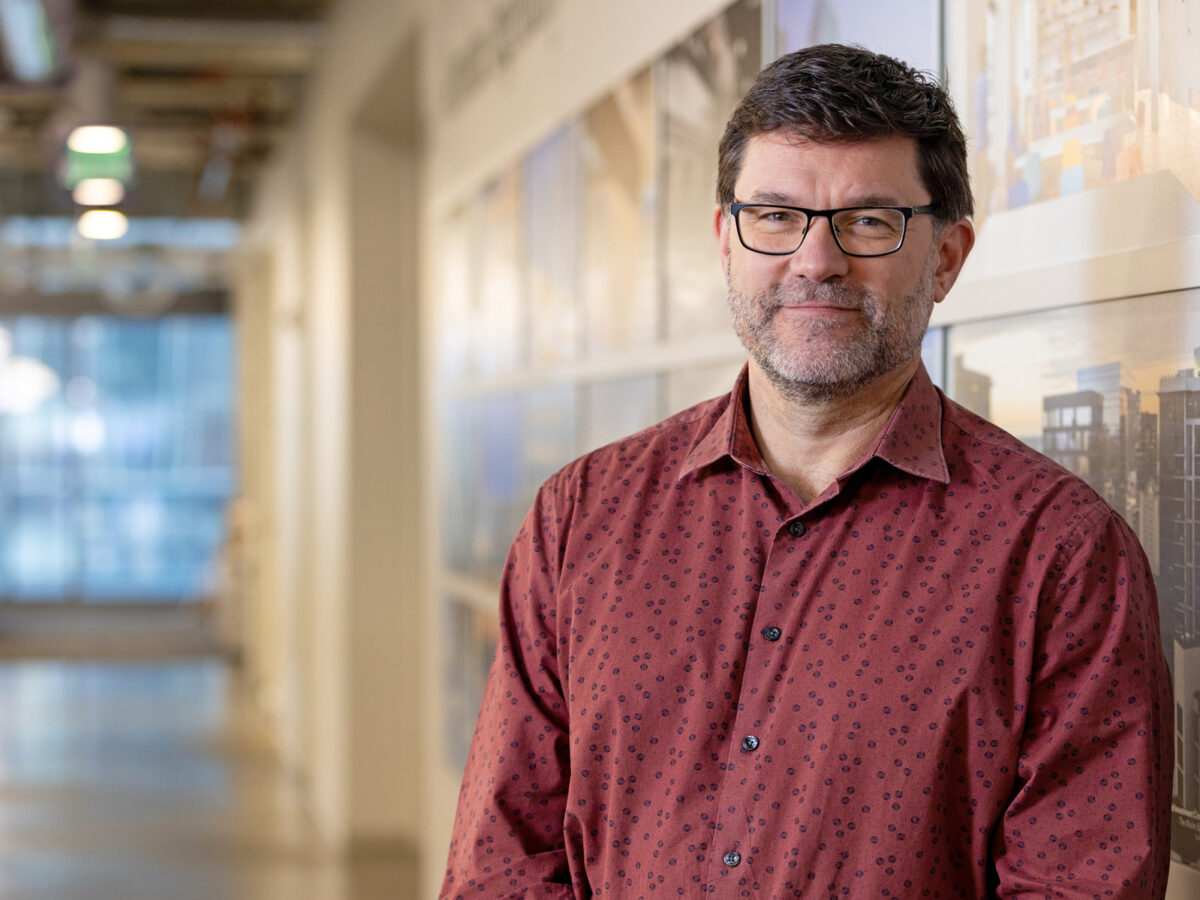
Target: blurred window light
<point>103,224</point>
<point>81,391</point>
<point>25,384</point>
<point>123,478</point>
<point>98,192</point>
<point>87,432</point>
<point>28,41</point>
<point>97,138</point>
<point>50,232</point>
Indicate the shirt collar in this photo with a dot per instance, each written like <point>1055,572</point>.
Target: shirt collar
<point>911,440</point>
<point>729,435</point>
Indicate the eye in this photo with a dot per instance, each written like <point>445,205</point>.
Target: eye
<point>865,220</point>
<point>776,218</point>
<point>870,223</point>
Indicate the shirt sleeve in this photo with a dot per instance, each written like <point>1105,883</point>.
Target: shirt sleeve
<point>508,838</point>
<point>1090,816</point>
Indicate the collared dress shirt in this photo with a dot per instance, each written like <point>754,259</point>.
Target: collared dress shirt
<point>942,677</point>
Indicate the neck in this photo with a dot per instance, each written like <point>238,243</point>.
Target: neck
<point>807,443</point>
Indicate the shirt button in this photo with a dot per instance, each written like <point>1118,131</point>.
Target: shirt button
<point>749,743</point>
<point>732,858</point>
<point>772,633</point>
<point>797,528</point>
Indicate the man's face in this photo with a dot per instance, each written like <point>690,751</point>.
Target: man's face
<point>820,324</point>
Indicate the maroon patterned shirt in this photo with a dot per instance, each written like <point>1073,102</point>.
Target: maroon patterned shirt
<point>941,678</point>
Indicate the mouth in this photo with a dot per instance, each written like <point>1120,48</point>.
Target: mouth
<point>817,308</point>
<point>820,302</point>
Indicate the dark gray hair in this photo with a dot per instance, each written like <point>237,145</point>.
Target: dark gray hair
<point>834,93</point>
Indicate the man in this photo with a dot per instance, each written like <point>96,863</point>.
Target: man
<point>831,635</point>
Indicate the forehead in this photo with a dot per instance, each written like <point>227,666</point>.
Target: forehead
<point>847,172</point>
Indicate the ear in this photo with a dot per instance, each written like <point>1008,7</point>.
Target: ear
<point>721,226</point>
<point>954,245</point>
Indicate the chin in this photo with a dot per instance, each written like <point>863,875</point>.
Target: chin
<point>831,377</point>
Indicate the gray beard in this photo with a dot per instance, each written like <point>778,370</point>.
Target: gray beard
<point>801,369</point>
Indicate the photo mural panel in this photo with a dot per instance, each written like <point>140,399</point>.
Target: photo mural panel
<point>455,303</point>
<point>469,636</point>
<point>619,285</point>
<point>1111,391</point>
<point>498,338</point>
<point>704,78</point>
<point>933,354</point>
<point>551,218</point>
<point>482,497</point>
<point>910,31</point>
<point>1081,118</point>
<point>687,386</point>
<point>547,419</point>
<point>459,481</point>
<point>617,407</point>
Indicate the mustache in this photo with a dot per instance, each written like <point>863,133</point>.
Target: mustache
<point>837,294</point>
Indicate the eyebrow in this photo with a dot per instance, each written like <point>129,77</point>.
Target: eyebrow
<point>774,197</point>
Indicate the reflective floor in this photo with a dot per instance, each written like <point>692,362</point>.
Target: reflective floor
<point>154,780</point>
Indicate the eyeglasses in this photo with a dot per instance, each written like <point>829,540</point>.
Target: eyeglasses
<point>858,230</point>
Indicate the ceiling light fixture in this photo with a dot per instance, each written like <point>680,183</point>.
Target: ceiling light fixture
<point>98,139</point>
<point>103,224</point>
<point>99,192</point>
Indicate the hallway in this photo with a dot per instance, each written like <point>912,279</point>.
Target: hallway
<point>154,780</point>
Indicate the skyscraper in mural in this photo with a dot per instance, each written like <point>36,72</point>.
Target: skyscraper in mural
<point>1120,416</point>
<point>1178,588</point>
<point>1185,656</point>
<point>1145,523</point>
<point>1073,432</point>
<point>1178,509</point>
<point>1096,432</point>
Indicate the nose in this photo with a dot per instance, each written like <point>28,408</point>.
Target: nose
<point>819,257</point>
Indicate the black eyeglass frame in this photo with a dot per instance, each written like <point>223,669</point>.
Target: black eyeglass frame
<point>908,212</point>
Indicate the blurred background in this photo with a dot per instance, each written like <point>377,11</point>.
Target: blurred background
<point>300,301</point>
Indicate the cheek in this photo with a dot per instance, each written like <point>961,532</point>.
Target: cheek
<point>909,287</point>
<point>752,272</point>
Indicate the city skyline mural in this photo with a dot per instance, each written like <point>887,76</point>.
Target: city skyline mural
<point>1111,391</point>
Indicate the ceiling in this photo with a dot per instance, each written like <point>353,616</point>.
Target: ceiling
<point>206,89</point>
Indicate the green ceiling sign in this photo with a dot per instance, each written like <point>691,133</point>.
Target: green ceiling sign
<point>118,165</point>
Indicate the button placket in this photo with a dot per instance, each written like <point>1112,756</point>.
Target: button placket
<point>744,764</point>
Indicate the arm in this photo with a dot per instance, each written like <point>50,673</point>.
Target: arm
<point>1091,812</point>
<point>508,832</point>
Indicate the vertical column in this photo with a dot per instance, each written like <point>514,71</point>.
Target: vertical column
<point>387,545</point>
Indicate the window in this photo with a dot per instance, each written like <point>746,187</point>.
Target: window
<point>116,472</point>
